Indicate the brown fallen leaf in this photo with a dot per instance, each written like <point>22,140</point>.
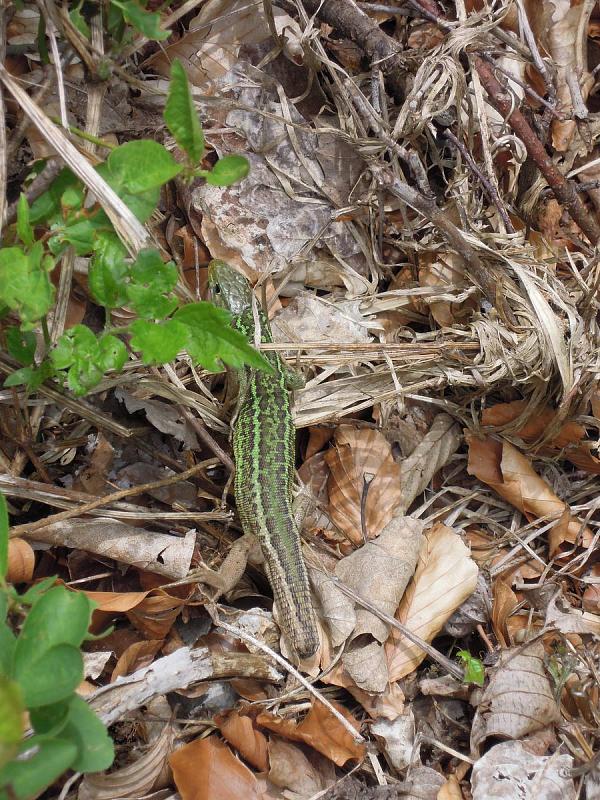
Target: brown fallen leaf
<point>364,484</point>
<point>250,743</point>
<point>450,790</point>
<point>560,614</point>
<point>511,475</point>
<point>569,437</point>
<point>137,655</point>
<point>446,575</point>
<point>155,615</point>
<point>319,729</point>
<point>206,769</point>
<point>21,561</point>
<point>445,271</point>
<point>504,603</point>
<point>430,455</point>
<point>292,770</point>
<point>518,699</point>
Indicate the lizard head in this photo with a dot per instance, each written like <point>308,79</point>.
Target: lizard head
<point>228,288</point>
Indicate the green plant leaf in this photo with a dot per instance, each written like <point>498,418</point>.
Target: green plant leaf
<point>141,165</point>
<point>112,353</point>
<point>108,271</point>
<point>27,777</point>
<point>58,616</point>
<point>474,669</point>
<point>48,204</point>
<point>32,377</point>
<point>211,339</point>
<point>3,537</point>
<point>32,594</point>
<point>146,22</point>
<point>181,116</point>
<point>228,170</point>
<point>51,677</point>
<point>158,342</point>
<point>79,22</point>
<point>78,342</point>
<point>11,719</point>
<point>50,720</point>
<point>24,229</point>
<point>96,750</point>
<point>24,283</point>
<point>8,643</point>
<point>150,270</point>
<point>21,345</point>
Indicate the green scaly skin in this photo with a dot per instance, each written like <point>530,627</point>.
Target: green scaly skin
<point>264,454</point>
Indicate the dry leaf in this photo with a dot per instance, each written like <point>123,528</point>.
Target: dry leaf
<point>571,620</point>
<point>251,744</point>
<point>321,730</point>
<point>155,615</point>
<point>510,474</point>
<point>431,454</point>
<point>451,790</point>
<point>136,656</point>
<point>511,772</point>
<point>518,699</point>
<point>134,780</point>
<point>445,271</point>
<point>504,603</point>
<point>568,437</point>
<point>380,572</point>
<point>21,561</point>
<point>291,769</point>
<point>206,769</point>
<point>364,484</point>
<point>397,738</point>
<point>445,576</point>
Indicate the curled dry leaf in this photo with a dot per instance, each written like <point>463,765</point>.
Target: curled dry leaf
<point>380,572</point>
<point>446,272</point>
<point>21,561</point>
<point>430,455</point>
<point>206,769</point>
<point>250,743</point>
<point>397,737</point>
<point>567,619</point>
<point>364,484</point>
<point>321,730</point>
<point>165,555</point>
<point>136,656</point>
<point>510,474</point>
<point>518,699</point>
<point>445,576</point>
<point>566,438</point>
<point>511,772</point>
<point>291,769</point>
<point>134,780</point>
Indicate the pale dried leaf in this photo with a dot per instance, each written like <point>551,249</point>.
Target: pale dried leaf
<point>364,478</point>
<point>422,783</point>
<point>337,609</point>
<point>445,576</point>
<point>309,319</point>
<point>148,550</point>
<point>164,417</point>
<point>446,272</point>
<point>567,619</point>
<point>135,779</point>
<point>380,572</point>
<point>510,772</point>
<point>94,663</point>
<point>397,738</point>
<point>473,612</point>
<point>433,452</point>
<point>136,656</point>
<point>451,790</point>
<point>21,561</point>
<point>518,699</point>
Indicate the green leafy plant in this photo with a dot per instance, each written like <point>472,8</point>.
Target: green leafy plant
<point>60,218</point>
<point>474,669</point>
<point>41,665</point>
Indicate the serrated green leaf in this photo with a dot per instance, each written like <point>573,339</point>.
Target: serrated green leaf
<point>158,342</point>
<point>181,116</point>
<point>108,271</point>
<point>147,304</point>
<point>78,342</point>
<point>21,345</point>
<point>47,761</point>
<point>146,22</point>
<point>142,204</point>
<point>32,377</point>
<point>112,353</point>
<point>51,677</point>
<point>141,165</point>
<point>228,170</point>
<point>211,338</point>
<point>3,537</point>
<point>150,270</point>
<point>24,229</point>
<point>95,747</point>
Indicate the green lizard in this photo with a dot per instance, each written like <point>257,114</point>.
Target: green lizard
<point>264,452</point>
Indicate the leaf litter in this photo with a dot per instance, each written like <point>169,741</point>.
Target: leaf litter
<point>432,273</point>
